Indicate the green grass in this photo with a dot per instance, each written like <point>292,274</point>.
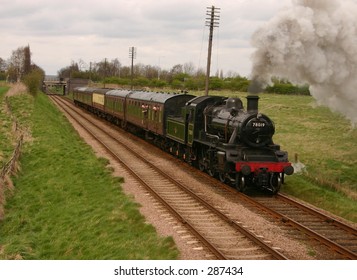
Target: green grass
<point>66,204</point>
<point>6,138</point>
<point>322,196</point>
<point>22,106</point>
<point>324,141</point>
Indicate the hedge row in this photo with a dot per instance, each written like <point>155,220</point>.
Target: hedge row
<point>198,83</point>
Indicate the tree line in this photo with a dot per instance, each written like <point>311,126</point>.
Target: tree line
<point>19,68</point>
<point>179,77</point>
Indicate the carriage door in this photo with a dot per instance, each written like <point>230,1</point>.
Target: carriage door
<point>156,118</point>
<point>145,115</point>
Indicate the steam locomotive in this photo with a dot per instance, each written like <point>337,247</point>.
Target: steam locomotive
<point>215,134</point>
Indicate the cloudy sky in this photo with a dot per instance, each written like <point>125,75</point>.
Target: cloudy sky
<point>165,32</point>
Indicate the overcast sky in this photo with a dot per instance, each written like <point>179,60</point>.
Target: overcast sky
<point>165,32</point>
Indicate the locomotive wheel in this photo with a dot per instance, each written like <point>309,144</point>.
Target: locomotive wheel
<point>201,161</point>
<point>176,151</point>
<point>275,183</point>
<point>201,165</point>
<point>211,172</point>
<point>240,184</point>
<point>166,147</point>
<point>222,177</point>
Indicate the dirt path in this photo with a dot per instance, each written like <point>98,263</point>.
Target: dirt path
<point>18,88</point>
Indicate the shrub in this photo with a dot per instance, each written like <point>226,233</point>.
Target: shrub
<point>2,76</point>
<point>288,88</point>
<point>215,83</point>
<point>33,81</point>
<point>158,83</point>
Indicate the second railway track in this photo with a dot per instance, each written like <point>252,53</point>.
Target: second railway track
<point>334,234</point>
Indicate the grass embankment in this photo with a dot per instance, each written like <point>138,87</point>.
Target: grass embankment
<point>326,144</point>
<point>66,204</point>
<point>6,137</point>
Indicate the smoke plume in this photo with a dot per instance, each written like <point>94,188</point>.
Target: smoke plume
<point>314,42</point>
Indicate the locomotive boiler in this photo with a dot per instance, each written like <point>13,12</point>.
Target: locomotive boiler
<point>235,125</point>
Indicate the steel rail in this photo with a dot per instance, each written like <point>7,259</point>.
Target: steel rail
<point>317,213</point>
<point>286,220</point>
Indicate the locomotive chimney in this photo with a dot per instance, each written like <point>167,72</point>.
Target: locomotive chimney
<point>252,103</point>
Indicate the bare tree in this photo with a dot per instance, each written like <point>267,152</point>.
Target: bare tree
<point>116,65</point>
<point>66,72</point>
<point>3,65</point>
<point>200,72</point>
<point>125,72</point>
<point>82,65</point>
<point>27,60</point>
<point>16,64</point>
<point>19,63</point>
<point>177,69</point>
<point>189,68</point>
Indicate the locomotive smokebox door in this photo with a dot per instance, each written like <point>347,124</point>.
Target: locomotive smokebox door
<point>252,103</point>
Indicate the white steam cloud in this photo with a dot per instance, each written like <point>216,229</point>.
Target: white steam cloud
<point>313,42</point>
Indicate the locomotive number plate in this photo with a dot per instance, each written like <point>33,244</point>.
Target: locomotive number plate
<point>258,124</point>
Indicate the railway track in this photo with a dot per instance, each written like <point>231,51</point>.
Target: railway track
<point>223,236</point>
<point>336,235</point>
<point>339,237</point>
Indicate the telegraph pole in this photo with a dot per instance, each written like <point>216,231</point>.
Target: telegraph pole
<point>105,70</point>
<point>212,21</point>
<point>132,55</point>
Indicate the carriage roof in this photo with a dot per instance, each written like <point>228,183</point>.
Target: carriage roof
<point>156,97</point>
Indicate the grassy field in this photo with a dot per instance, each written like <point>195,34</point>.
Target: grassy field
<point>66,204</point>
<point>326,144</point>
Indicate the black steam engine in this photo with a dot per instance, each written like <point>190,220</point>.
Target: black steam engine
<point>242,146</point>
<point>214,133</point>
